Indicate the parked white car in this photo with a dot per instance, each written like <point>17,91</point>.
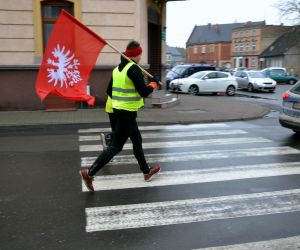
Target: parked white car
<point>289,116</point>
<point>206,82</point>
<point>254,80</point>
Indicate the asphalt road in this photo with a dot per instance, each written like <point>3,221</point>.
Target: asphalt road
<point>221,184</point>
<point>271,100</point>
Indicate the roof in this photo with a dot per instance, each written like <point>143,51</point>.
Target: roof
<point>175,51</point>
<point>283,43</point>
<point>216,33</point>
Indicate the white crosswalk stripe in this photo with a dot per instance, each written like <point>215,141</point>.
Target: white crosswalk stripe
<point>174,134</point>
<point>289,243</point>
<point>196,155</point>
<point>162,127</point>
<point>227,144</point>
<point>112,182</point>
<point>190,143</point>
<point>192,210</point>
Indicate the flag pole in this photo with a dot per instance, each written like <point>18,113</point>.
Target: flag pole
<point>143,70</point>
<point>102,40</point>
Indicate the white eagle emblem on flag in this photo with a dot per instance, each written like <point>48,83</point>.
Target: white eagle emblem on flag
<point>64,68</point>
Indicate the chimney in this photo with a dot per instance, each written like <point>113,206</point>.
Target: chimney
<point>217,28</point>
<point>249,23</point>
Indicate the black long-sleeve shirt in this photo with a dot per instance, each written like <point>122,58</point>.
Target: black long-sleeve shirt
<point>137,77</point>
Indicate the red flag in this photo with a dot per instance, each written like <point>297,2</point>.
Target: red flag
<point>70,56</point>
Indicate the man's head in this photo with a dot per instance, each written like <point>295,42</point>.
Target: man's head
<point>134,51</point>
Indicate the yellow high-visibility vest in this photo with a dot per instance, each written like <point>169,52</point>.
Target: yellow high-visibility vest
<point>124,94</point>
<point>108,106</point>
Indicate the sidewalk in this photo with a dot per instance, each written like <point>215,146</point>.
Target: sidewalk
<point>192,109</point>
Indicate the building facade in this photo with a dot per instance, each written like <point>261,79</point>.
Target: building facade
<point>211,44</point>
<point>174,56</point>
<point>284,52</point>
<point>26,26</point>
<point>250,40</point>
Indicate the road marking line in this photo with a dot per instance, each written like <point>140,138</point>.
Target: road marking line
<point>191,210</point>
<point>166,178</point>
<point>161,127</point>
<point>196,155</point>
<point>191,143</point>
<point>275,244</point>
<point>173,134</point>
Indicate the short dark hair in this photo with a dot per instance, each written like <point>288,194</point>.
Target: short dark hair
<point>133,45</point>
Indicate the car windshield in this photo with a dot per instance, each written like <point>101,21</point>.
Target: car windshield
<point>278,72</point>
<point>176,71</point>
<point>256,74</point>
<point>198,74</point>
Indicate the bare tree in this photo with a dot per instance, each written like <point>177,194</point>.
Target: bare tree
<point>289,10</point>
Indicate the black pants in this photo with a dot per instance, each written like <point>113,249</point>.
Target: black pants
<point>125,126</point>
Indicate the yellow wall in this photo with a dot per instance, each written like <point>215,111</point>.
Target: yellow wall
<point>37,22</point>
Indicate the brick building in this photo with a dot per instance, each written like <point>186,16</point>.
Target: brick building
<point>211,44</point>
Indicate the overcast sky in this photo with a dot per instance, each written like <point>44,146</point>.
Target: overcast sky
<point>182,16</point>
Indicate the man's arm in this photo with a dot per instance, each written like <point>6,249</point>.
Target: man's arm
<point>137,77</point>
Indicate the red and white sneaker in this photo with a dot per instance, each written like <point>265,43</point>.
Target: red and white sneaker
<point>153,171</point>
<point>88,180</point>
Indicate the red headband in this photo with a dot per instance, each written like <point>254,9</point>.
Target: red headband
<point>134,52</point>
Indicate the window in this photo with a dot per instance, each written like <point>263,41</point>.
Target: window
<point>212,49</point>
<point>296,88</point>
<point>195,50</point>
<point>50,13</point>
<point>247,46</point>
<point>222,75</point>
<point>238,74</point>
<point>253,32</point>
<point>253,45</point>
<point>212,75</point>
<point>243,75</point>
<point>253,62</point>
<point>241,47</point>
<point>236,47</point>
<point>203,50</point>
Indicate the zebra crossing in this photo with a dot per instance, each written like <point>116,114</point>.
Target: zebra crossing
<point>192,155</point>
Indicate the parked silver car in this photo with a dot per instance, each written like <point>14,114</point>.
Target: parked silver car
<point>254,80</point>
<point>289,116</point>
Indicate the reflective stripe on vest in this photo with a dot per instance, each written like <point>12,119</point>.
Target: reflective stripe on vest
<point>124,94</point>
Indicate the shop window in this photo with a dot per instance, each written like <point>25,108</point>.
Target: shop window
<point>50,12</point>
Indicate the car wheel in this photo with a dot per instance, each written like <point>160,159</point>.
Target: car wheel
<point>250,87</point>
<point>291,82</point>
<point>230,91</point>
<point>193,90</point>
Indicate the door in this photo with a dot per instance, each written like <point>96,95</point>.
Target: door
<point>209,83</point>
<point>154,41</point>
